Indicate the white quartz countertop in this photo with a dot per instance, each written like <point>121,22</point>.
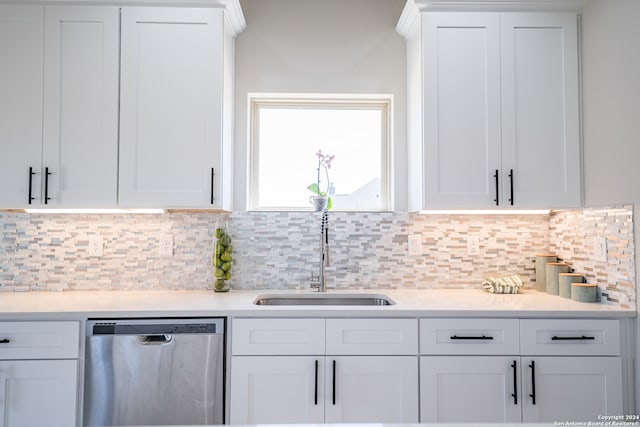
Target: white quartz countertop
<point>186,303</point>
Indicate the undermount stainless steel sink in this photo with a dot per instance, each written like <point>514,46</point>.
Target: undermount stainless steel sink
<point>324,299</point>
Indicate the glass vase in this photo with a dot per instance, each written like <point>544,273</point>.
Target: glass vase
<point>320,203</point>
<point>222,258</point>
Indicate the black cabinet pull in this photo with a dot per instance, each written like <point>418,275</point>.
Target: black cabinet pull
<point>532,395</point>
<point>213,174</point>
<point>5,341</point>
<point>315,387</point>
<point>46,186</point>
<point>581,338</point>
<point>315,391</point>
<point>514,365</point>
<point>483,337</point>
<point>511,182</point>
<point>497,199</point>
<point>334,383</point>
<point>31,173</point>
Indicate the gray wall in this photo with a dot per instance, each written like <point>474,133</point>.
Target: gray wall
<point>320,46</point>
<point>611,87</point>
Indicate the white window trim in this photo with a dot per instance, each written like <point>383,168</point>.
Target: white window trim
<point>344,101</point>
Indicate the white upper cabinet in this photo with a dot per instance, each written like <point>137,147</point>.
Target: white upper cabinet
<point>80,149</point>
<point>540,119</point>
<point>171,107</point>
<point>462,147</point>
<point>493,109</point>
<point>106,106</point>
<point>21,50</point>
<point>59,117</point>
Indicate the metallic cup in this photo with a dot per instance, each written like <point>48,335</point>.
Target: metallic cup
<point>541,273</point>
<point>565,280</point>
<point>553,269</point>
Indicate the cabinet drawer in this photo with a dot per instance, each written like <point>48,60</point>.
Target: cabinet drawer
<point>570,337</point>
<point>372,336</point>
<point>277,337</point>
<point>469,336</point>
<point>39,340</point>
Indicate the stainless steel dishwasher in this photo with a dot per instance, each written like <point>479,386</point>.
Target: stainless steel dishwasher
<point>154,372</point>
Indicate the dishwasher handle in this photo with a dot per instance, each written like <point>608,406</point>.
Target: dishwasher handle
<point>154,339</point>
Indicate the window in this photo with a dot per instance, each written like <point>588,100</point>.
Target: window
<point>287,132</point>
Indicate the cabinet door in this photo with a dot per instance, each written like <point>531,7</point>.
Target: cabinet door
<point>469,389</point>
<point>171,107</point>
<point>21,50</point>
<point>570,388</point>
<point>371,389</point>
<point>38,393</point>
<point>80,147</point>
<point>277,389</point>
<point>540,140</point>
<point>461,74</point>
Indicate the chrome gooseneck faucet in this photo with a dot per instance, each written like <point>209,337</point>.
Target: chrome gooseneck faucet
<point>321,283</point>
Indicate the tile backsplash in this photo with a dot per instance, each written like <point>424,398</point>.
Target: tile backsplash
<point>369,250</point>
<point>279,250</point>
<point>574,237</point>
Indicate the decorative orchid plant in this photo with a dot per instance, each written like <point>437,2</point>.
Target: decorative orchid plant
<point>324,162</point>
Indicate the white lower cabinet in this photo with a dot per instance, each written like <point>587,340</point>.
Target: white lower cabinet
<point>465,389</point>
<point>282,372</point>
<point>307,389</point>
<point>371,389</point>
<point>38,393</point>
<point>467,370</point>
<point>38,373</point>
<point>470,370</point>
<point>277,389</point>
<point>561,370</point>
<point>570,388</point>
<point>512,389</point>
<point>571,369</point>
